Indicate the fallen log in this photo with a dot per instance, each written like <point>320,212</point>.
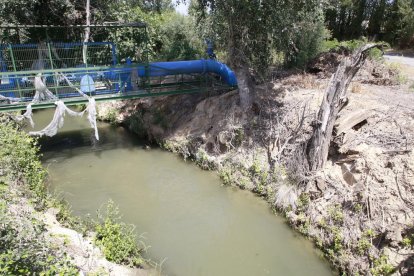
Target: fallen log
<point>345,123</point>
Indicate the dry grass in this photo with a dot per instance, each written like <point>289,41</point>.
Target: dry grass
<point>305,81</point>
<point>286,196</point>
<point>357,88</point>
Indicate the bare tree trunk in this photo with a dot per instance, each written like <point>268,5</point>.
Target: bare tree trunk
<point>246,87</point>
<point>87,31</point>
<point>334,100</point>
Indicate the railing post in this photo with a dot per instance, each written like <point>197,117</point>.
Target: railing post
<point>52,67</point>
<point>15,70</point>
<point>147,77</point>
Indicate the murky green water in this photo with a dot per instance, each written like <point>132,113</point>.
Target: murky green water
<point>198,226</point>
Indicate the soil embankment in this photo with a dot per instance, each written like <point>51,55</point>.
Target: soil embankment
<point>359,210</point>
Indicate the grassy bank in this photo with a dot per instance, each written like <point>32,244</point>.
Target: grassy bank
<point>35,226</point>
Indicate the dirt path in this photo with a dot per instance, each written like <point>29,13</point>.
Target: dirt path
<point>404,63</point>
<point>409,61</point>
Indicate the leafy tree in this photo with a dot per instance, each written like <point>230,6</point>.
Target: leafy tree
<point>252,32</point>
<point>178,38</point>
<point>405,31</point>
<point>390,20</point>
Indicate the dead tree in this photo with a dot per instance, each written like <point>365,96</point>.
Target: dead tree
<point>335,98</point>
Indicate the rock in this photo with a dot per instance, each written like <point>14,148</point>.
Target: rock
<point>347,173</point>
<point>394,236</point>
<point>321,184</point>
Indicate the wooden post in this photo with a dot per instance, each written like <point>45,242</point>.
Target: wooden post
<point>334,100</point>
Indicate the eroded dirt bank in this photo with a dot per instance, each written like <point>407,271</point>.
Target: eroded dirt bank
<point>359,210</point>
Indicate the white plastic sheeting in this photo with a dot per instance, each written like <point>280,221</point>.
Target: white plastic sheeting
<point>91,109</point>
<point>58,119</point>
<point>42,94</point>
<point>27,115</point>
<point>8,99</point>
<point>57,122</point>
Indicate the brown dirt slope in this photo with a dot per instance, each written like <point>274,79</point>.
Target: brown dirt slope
<point>359,210</point>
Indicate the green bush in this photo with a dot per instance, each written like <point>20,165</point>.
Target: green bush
<point>178,38</point>
<point>226,175</point>
<point>19,161</point>
<point>382,266</point>
<point>203,160</point>
<point>308,41</point>
<point>171,35</point>
<point>24,246</point>
<point>117,239</point>
<point>352,45</point>
<point>337,214</point>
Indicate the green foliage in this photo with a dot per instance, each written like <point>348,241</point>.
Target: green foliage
<point>381,266</point>
<point>136,124</point>
<point>369,233</point>
<point>352,45</point>
<point>111,116</point>
<point>337,243</point>
<point>178,38</point>
<point>255,168</point>
<point>337,214</point>
<point>225,174</point>
<point>392,21</point>
<point>363,245</point>
<point>408,240</point>
<point>303,224</point>
<point>253,33</point>
<point>20,162</point>
<point>364,242</point>
<point>65,217</point>
<point>171,36</point>
<point>24,246</point>
<point>235,175</point>
<point>117,240</point>
<point>400,77</point>
<point>203,160</point>
<point>303,202</point>
<point>357,208</point>
<point>238,137</point>
<point>308,43</point>
<point>405,33</point>
<point>322,224</point>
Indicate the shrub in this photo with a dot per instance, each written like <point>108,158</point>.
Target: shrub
<point>203,160</point>
<point>117,240</point>
<point>337,214</point>
<point>177,38</point>
<point>381,266</point>
<point>24,245</point>
<point>363,245</point>
<point>20,162</point>
<point>352,45</point>
<point>225,174</point>
<point>308,40</point>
